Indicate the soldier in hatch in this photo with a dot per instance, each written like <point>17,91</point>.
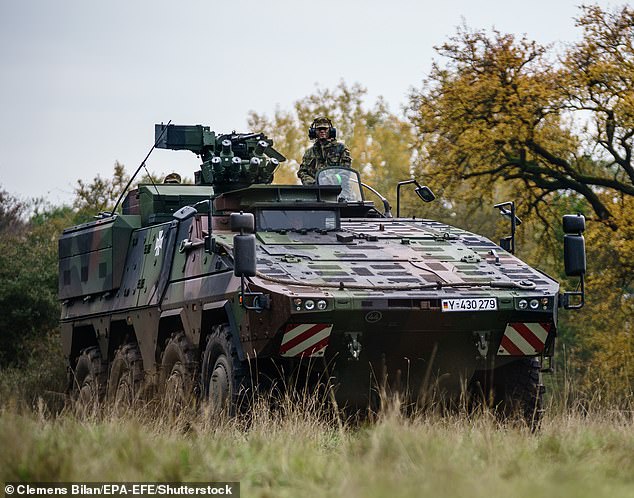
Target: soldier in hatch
<point>325,152</point>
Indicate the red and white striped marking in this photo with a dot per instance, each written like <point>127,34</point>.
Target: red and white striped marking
<point>305,339</point>
<point>524,339</point>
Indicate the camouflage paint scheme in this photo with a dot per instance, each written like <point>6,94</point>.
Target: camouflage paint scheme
<point>145,274</point>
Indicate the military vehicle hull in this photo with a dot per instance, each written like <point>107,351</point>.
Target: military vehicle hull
<point>162,298</point>
<point>383,293</point>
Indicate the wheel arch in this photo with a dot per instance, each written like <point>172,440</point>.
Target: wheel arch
<point>76,337</point>
<point>121,332</point>
<point>219,313</point>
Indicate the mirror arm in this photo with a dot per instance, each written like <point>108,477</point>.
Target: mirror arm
<point>514,222</point>
<point>580,293</point>
<point>210,242</point>
<point>398,194</point>
<point>260,301</point>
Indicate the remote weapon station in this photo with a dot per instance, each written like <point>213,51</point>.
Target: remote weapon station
<point>215,290</point>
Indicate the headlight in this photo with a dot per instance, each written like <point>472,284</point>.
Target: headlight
<point>534,304</point>
<point>522,304</point>
<point>300,304</point>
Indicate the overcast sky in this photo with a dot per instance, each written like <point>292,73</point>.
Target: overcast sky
<point>83,82</point>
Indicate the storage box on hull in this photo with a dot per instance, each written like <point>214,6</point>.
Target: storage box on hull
<point>92,255</point>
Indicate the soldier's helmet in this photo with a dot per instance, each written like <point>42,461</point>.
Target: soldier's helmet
<point>322,122</point>
<point>172,178</point>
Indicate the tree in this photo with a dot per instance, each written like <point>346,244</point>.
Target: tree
<point>12,213</point>
<point>29,233</point>
<point>501,113</point>
<point>288,137</point>
<point>102,193</point>
<point>28,274</point>
<point>506,109</point>
<point>604,331</point>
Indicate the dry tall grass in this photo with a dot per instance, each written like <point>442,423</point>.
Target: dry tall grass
<point>301,447</point>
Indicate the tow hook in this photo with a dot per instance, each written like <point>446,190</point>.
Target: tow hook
<point>354,346</point>
<point>482,342</point>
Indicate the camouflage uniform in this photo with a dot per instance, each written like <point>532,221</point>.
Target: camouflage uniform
<point>322,154</point>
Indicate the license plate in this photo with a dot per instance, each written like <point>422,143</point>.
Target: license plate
<point>467,304</point>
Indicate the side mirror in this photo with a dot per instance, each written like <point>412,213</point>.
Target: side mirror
<point>244,258</point>
<point>574,258</point>
<point>245,261</point>
<point>425,193</point>
<point>508,214</point>
<point>574,223</point>
<point>242,222</point>
<point>185,213</point>
<point>574,255</point>
<point>574,245</point>
<point>508,243</point>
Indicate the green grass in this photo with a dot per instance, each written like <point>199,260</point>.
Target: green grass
<point>293,452</point>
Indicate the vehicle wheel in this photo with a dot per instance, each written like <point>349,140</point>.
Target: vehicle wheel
<point>89,383</point>
<point>224,378</point>
<point>514,389</point>
<point>126,377</point>
<point>178,367</point>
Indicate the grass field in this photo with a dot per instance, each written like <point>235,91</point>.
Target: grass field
<point>293,452</point>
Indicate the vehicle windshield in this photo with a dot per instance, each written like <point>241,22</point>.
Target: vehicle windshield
<point>347,178</point>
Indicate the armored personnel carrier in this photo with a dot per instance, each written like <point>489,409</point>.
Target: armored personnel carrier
<point>218,288</point>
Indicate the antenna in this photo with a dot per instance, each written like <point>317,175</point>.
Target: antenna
<point>142,165</point>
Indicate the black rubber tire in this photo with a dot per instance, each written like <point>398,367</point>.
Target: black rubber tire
<point>89,382</point>
<point>178,368</point>
<point>126,377</point>
<point>514,390</point>
<point>224,378</point>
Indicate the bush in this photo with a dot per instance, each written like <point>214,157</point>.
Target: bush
<point>40,377</point>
